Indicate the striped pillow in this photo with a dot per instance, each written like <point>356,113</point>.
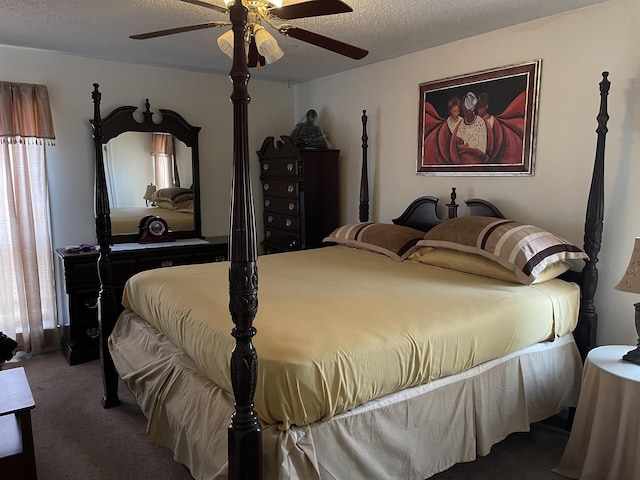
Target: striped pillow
<point>524,249</point>
<point>395,241</point>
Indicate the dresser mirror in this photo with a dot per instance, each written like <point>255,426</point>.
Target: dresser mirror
<point>151,168</point>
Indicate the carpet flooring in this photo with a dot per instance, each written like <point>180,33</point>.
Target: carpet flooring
<point>76,439</point>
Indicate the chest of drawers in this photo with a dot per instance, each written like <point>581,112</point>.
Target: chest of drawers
<point>80,331</point>
<point>300,195</point>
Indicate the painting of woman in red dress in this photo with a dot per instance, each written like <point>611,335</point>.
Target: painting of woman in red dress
<point>483,126</point>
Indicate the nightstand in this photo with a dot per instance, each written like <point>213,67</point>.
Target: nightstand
<point>17,458</point>
<point>605,437</point>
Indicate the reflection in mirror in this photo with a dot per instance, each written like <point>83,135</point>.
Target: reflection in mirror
<point>149,174</point>
<point>151,168</point>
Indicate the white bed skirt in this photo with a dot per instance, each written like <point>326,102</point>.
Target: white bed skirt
<point>413,434</point>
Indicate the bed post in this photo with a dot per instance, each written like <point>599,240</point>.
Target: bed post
<point>107,311</point>
<point>364,179</point>
<point>245,432</point>
<point>585,332</point>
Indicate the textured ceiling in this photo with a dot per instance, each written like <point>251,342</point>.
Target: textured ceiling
<point>387,28</point>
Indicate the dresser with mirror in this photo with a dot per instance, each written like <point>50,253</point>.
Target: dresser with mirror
<point>151,171</point>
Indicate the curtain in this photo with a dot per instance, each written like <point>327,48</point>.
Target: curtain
<point>162,155</point>
<point>27,287</point>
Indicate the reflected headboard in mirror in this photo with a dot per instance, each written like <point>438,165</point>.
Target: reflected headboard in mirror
<point>150,168</point>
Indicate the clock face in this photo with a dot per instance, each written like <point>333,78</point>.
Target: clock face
<point>157,227</point>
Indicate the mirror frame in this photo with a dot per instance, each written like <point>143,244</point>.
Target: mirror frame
<point>122,120</point>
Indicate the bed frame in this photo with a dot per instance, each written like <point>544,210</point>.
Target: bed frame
<point>244,431</point>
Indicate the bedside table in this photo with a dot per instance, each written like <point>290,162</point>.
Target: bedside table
<point>17,458</point>
<point>605,437</point>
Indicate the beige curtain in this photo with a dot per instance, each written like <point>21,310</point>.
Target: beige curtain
<point>162,155</point>
<point>27,292</point>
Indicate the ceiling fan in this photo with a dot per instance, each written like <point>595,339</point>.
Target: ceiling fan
<point>260,45</point>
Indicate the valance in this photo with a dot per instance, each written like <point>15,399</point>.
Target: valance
<point>161,144</point>
<point>25,114</point>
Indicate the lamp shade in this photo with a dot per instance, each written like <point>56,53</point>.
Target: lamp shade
<point>225,42</point>
<point>148,193</point>
<point>267,46</point>
<point>630,281</point>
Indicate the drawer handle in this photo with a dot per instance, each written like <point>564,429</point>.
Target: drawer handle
<point>290,166</point>
<point>267,203</point>
<point>291,207</point>
<point>293,243</point>
<point>288,223</point>
<point>290,188</point>
<point>269,219</point>
<point>265,167</point>
<point>268,234</point>
<point>266,187</point>
<point>92,303</point>
<point>93,333</point>
<point>166,263</point>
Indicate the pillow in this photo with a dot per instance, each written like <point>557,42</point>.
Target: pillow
<point>168,204</point>
<point>170,193</point>
<point>524,249</point>
<point>183,206</point>
<point>395,241</point>
<point>478,265</point>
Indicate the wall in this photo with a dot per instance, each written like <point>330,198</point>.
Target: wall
<point>575,48</point>
<point>202,99</point>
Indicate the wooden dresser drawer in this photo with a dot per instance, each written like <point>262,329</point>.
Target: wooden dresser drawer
<point>282,205</point>
<point>280,188</point>
<point>282,222</point>
<point>148,263</point>
<point>282,240</point>
<point>279,167</point>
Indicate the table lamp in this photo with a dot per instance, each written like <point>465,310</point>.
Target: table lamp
<point>631,283</point>
<point>148,193</point>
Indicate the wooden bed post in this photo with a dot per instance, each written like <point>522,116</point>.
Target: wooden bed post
<point>245,432</point>
<point>107,311</point>
<point>364,179</point>
<point>585,332</point>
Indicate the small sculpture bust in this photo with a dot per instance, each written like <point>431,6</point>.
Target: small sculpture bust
<point>308,133</point>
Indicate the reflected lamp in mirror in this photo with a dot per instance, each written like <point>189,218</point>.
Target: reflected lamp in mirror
<point>631,283</point>
<point>148,193</point>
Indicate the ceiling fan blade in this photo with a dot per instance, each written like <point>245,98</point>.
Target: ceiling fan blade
<point>323,42</point>
<point>171,31</point>
<point>312,8</point>
<point>207,5</point>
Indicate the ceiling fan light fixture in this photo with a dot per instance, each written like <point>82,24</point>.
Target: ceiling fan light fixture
<point>275,3</point>
<point>267,45</point>
<point>225,42</point>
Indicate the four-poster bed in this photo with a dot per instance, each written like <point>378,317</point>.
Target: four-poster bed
<point>403,424</point>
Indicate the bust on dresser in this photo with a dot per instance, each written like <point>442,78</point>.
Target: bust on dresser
<point>300,195</point>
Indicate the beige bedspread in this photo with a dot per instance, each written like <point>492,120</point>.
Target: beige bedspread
<point>125,220</point>
<point>338,327</point>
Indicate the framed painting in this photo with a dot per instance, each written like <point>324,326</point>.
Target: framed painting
<point>482,123</point>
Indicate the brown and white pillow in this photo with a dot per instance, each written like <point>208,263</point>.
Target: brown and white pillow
<point>524,249</point>
<point>394,241</point>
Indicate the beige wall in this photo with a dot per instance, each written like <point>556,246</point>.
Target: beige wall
<point>575,48</point>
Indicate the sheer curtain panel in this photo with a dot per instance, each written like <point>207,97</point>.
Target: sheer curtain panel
<point>27,290</point>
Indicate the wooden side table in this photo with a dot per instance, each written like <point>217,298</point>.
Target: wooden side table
<point>605,437</point>
<point>17,458</point>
